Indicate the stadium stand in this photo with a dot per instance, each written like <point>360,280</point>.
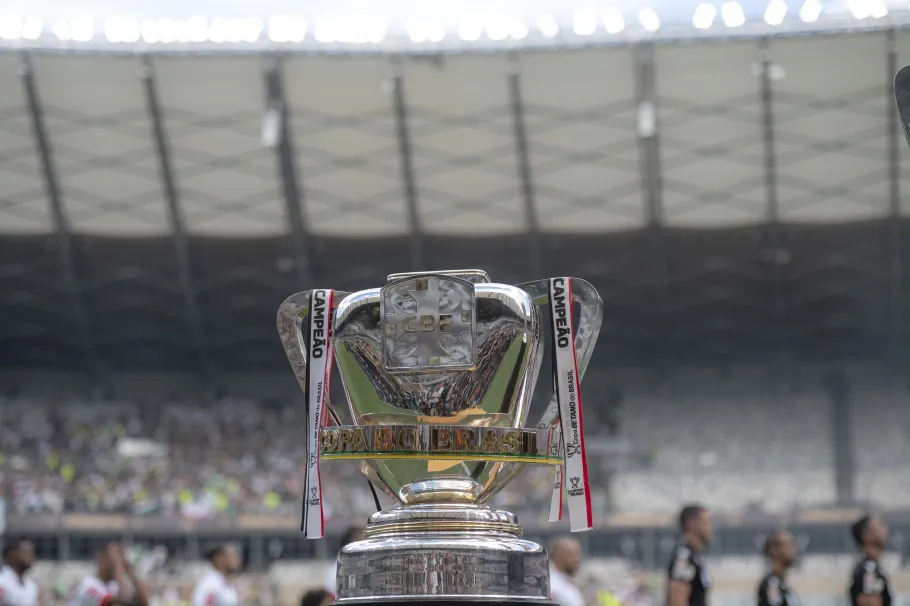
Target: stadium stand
<point>721,440</point>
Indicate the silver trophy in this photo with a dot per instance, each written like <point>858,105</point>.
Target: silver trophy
<point>439,369</point>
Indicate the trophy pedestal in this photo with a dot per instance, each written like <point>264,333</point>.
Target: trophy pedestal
<point>463,602</point>
<point>439,371</point>
<point>441,555</point>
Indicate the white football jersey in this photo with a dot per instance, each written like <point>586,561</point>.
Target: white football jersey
<point>92,591</point>
<point>214,590</point>
<point>563,591</point>
<point>15,591</point>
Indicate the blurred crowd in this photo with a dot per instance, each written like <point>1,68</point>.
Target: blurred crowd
<point>255,590</point>
<point>182,457</point>
<point>169,577</point>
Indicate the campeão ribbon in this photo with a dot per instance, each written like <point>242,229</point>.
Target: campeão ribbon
<point>319,376</point>
<point>567,386</point>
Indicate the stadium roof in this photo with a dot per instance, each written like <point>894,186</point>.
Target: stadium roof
<point>728,199</point>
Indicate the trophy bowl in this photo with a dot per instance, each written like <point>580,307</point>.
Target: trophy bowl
<point>439,369</point>
<point>439,351</point>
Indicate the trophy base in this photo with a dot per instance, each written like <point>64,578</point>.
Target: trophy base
<point>467,601</point>
<point>443,554</point>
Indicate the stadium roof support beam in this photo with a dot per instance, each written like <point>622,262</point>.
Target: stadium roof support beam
<point>298,230</point>
<point>62,232</point>
<point>175,215</point>
<point>524,168</point>
<point>895,245</point>
<point>408,182</point>
<point>649,161</point>
<point>773,241</point>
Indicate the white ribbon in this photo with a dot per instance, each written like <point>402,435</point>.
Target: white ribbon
<point>555,450</point>
<point>319,375</point>
<point>567,385</point>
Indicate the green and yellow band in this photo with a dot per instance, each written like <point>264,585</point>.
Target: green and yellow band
<point>434,443</point>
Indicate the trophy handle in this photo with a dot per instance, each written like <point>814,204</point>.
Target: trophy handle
<point>292,317</point>
<point>589,321</point>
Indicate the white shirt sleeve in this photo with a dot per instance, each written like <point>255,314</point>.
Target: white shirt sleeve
<point>563,592</point>
<point>206,592</point>
<point>4,589</point>
<point>92,592</point>
<point>31,593</point>
<point>15,591</point>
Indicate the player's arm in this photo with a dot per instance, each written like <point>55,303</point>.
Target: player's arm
<point>140,595</point>
<point>679,583</point>
<point>126,577</point>
<point>869,600</point>
<point>868,585</point>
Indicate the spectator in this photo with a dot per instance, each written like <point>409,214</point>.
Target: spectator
<point>565,560</point>
<point>316,597</point>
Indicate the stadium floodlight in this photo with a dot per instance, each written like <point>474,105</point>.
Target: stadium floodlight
<point>197,29</point>
<point>649,19</point>
<point>10,28</point>
<point>251,30</point>
<point>858,8</point>
<point>497,28</point>
<point>732,14</point>
<point>121,29</point>
<point>82,29</point>
<point>169,30</point>
<point>775,13</point>
<point>417,32</point>
<point>470,29</point>
<point>219,30</point>
<point>548,26</point>
<point>810,11</point>
<point>355,29</point>
<point>165,31</point>
<point>148,29</point>
<point>425,31</point>
<point>61,29</point>
<point>32,28</point>
<point>704,16</point>
<point>584,22</point>
<point>613,20</point>
<point>435,31</point>
<point>518,30</point>
<point>877,9</point>
<point>287,28</point>
<point>324,30</point>
<point>366,29</point>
